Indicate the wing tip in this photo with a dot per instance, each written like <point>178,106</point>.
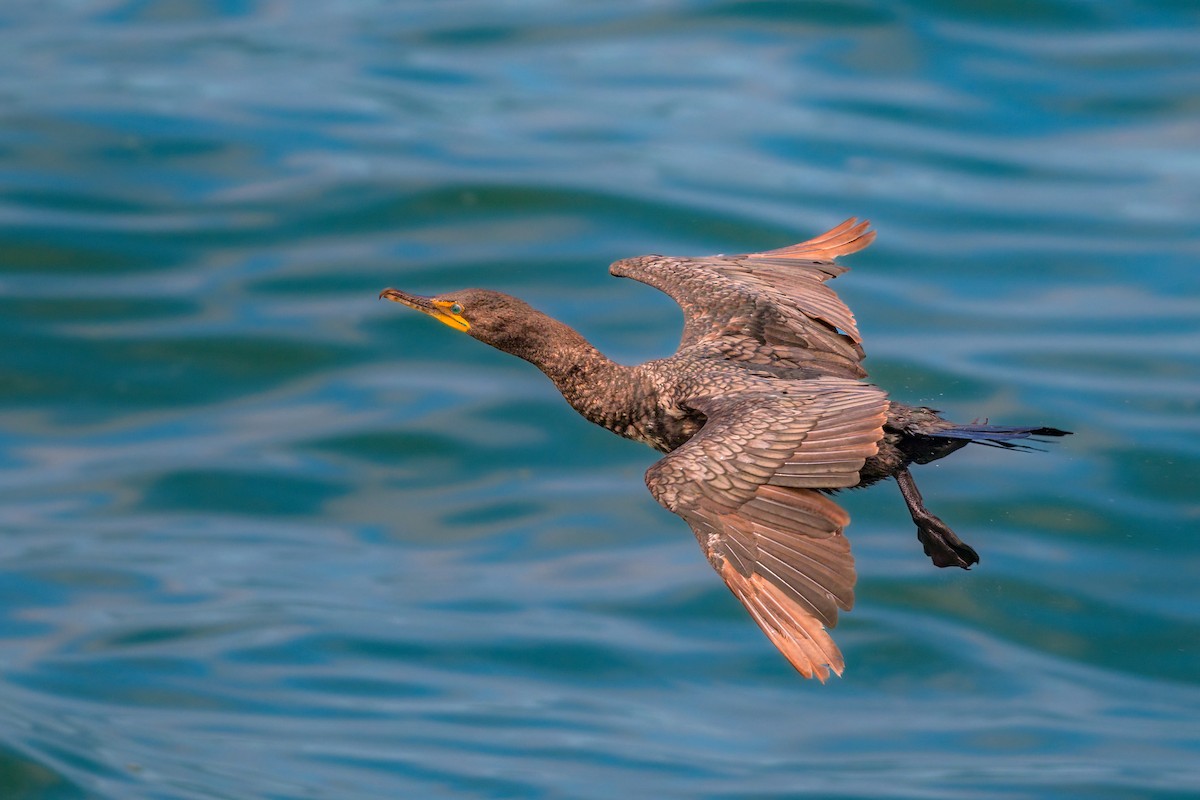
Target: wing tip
<point>801,639</point>
<point>849,237</point>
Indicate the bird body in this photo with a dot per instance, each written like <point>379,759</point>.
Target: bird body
<point>761,413</point>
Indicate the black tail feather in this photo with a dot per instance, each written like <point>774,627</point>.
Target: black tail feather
<point>1005,436</point>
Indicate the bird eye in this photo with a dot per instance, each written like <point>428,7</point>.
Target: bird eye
<point>456,308</point>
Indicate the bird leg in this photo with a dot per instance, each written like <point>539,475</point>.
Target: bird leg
<point>941,544</point>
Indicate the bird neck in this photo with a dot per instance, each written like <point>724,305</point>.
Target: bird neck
<point>603,391</point>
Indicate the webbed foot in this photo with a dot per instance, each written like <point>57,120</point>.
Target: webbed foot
<point>941,544</point>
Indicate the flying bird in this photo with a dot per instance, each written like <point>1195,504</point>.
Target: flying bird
<point>762,413</point>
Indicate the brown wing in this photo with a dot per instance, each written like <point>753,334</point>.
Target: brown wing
<point>784,556</point>
<point>778,545</point>
<point>771,309</point>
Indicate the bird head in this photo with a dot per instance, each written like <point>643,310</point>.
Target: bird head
<point>491,317</point>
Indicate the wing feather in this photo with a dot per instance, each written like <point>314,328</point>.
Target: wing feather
<point>743,484</point>
<point>797,634</point>
<point>849,237</point>
<point>770,309</point>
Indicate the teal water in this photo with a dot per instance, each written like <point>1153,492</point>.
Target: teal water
<point>263,536</point>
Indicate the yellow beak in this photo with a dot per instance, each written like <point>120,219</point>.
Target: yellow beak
<point>438,309</point>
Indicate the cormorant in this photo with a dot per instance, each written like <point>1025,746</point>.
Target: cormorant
<point>762,413</point>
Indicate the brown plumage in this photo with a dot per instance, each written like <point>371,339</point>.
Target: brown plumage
<point>761,412</point>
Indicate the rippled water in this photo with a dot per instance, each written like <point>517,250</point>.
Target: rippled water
<point>263,536</point>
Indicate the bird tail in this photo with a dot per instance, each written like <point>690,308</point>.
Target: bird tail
<point>1005,436</point>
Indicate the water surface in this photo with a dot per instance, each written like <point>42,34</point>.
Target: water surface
<point>264,536</point>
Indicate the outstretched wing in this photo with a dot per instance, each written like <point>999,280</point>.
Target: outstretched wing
<point>769,309</point>
<point>746,484</point>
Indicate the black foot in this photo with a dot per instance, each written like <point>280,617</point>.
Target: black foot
<point>943,546</point>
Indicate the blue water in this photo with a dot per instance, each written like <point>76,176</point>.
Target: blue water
<point>264,536</point>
